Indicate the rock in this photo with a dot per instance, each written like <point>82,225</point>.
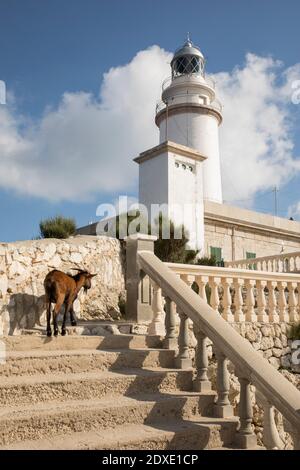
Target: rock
<point>277,343</point>
<point>49,251</point>
<point>275,362</point>
<point>285,361</point>
<point>250,333</point>
<point>76,258</point>
<point>267,343</point>
<point>113,329</point>
<point>277,330</point>
<point>277,352</point>
<point>256,346</point>
<point>283,328</point>
<point>266,330</point>
<point>3,285</point>
<point>284,340</point>
<point>267,354</point>
<point>140,329</point>
<point>100,331</point>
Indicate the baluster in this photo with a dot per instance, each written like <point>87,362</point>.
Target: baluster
<point>201,282</point>
<point>188,279</point>
<point>222,408</point>
<point>239,315</point>
<point>293,314</point>
<point>261,302</point>
<point>272,304</point>
<point>170,341</point>
<point>214,297</point>
<point>250,301</point>
<point>259,266</point>
<point>227,301</point>
<point>245,437</point>
<point>157,327</point>
<point>283,315</point>
<point>271,437</point>
<point>183,361</point>
<point>201,381</point>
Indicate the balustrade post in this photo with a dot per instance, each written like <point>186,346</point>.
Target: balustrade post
<point>138,303</point>
<point>188,279</point>
<point>293,314</point>
<point>272,303</point>
<point>239,315</point>
<point>283,315</point>
<point>201,282</point>
<point>227,301</point>
<point>261,302</point>
<point>170,341</point>
<point>201,381</point>
<point>222,408</point>
<point>157,327</point>
<point>250,301</point>
<point>245,437</point>
<point>271,437</point>
<point>183,361</point>
<point>214,296</point>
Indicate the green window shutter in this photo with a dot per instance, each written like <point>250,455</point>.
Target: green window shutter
<point>216,252</point>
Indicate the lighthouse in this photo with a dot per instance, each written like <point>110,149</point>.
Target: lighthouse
<point>190,114</point>
<point>183,170</point>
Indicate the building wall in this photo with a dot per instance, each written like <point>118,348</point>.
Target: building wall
<point>236,242</point>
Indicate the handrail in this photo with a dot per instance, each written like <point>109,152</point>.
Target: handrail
<point>264,259</point>
<point>249,363</point>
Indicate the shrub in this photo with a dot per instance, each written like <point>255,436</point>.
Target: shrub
<point>206,261</point>
<point>57,227</point>
<point>173,250</point>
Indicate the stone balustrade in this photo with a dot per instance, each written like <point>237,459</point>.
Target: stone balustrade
<point>241,295</point>
<point>228,291</point>
<point>282,263</point>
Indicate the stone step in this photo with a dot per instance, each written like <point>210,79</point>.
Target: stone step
<point>32,342</point>
<point>47,420</point>
<point>28,390</point>
<point>198,433</point>
<point>83,360</point>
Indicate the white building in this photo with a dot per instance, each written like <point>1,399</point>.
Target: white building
<point>182,174</point>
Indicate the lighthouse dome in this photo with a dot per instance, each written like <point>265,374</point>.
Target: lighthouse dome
<point>188,59</point>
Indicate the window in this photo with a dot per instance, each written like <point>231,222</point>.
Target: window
<point>217,254</point>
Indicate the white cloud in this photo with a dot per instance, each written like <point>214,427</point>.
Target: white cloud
<point>86,145</point>
<point>256,135</point>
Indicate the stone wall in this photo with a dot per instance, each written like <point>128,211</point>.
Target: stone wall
<point>24,265</point>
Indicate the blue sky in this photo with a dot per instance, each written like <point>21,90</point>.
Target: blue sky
<point>52,47</point>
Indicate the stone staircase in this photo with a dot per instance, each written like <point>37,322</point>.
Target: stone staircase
<point>118,391</point>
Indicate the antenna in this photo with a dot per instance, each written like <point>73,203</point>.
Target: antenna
<point>275,191</point>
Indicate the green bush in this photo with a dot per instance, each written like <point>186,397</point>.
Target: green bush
<point>173,250</point>
<point>57,227</point>
<point>206,261</point>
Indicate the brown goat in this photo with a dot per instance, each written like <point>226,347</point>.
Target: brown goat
<point>62,289</point>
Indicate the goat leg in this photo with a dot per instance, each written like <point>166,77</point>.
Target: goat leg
<point>73,317</point>
<point>49,331</point>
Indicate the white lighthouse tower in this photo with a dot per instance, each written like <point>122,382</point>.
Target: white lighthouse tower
<point>190,114</point>
<point>184,169</point>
